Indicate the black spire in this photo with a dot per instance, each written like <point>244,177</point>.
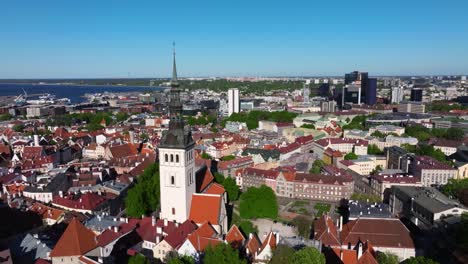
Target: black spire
<point>176,136</point>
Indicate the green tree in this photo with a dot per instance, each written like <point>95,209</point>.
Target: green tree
<point>378,134</point>
<point>227,158</point>
<point>258,203</point>
<point>317,166</point>
<point>5,117</point>
<point>455,133</point>
<point>309,126</point>
<point>246,227</point>
<point>205,155</point>
<point>303,226</point>
<point>358,122</point>
<point>351,156</point>
<point>121,116</point>
<point>387,258</point>
<point>138,259</point>
<point>419,260</point>
<point>174,258</point>
<point>18,128</point>
<point>219,178</point>
<point>282,254</point>
<point>144,196</point>
<point>308,255</point>
<point>454,186</point>
<point>372,149</point>
<point>222,254</point>
<point>231,188</point>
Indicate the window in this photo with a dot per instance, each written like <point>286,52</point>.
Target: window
<point>172,180</point>
<point>173,210</point>
<point>172,158</point>
<point>177,158</point>
<point>166,158</point>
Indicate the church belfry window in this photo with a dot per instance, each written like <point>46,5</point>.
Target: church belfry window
<point>172,180</point>
<point>166,158</point>
<point>172,157</point>
<point>177,157</point>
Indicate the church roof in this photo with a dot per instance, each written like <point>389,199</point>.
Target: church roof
<point>205,208</point>
<point>75,241</point>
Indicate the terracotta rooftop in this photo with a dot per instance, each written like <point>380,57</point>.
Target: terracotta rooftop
<point>234,237</point>
<point>75,241</point>
<point>205,208</point>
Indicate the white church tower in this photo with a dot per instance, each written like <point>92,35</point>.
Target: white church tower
<point>176,161</point>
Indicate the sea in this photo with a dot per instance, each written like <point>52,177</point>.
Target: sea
<point>73,92</point>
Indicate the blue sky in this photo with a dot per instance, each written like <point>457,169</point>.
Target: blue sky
<point>79,39</point>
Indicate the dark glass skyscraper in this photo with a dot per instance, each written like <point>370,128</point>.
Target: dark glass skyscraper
<point>416,95</point>
<point>358,84</point>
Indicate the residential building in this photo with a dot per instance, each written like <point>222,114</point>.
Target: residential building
<point>411,107</point>
<point>234,102</point>
<point>359,209</point>
<point>424,206</point>
<point>432,171</point>
<point>397,95</point>
<point>382,183</point>
<point>387,129</point>
<point>398,158</point>
<point>345,145</point>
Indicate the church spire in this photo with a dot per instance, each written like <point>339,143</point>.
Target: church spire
<point>174,82</point>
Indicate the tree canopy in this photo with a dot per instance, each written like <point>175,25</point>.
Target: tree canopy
<point>222,254</point>
<point>258,203</point>
<point>144,196</point>
<point>372,149</point>
<point>138,259</point>
<point>282,254</point>
<point>251,118</point>
<point>317,166</point>
<point>426,150</point>
<point>307,255</point>
<point>387,258</point>
<point>366,197</point>
<point>303,226</point>
<point>454,186</point>
<point>419,260</point>
<point>231,188</point>
<point>351,156</point>
<point>358,122</point>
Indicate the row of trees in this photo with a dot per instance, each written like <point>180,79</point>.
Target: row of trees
<point>358,122</point>
<point>307,255</point>
<point>426,150</point>
<point>92,120</point>
<point>202,120</point>
<point>229,185</point>
<point>251,118</point>
<point>423,133</point>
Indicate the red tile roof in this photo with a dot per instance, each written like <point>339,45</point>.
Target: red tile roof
<point>379,232</point>
<point>179,234</point>
<point>203,237</point>
<point>234,237</point>
<point>87,201</point>
<point>75,241</point>
<point>253,244</point>
<point>269,240</point>
<point>326,231</point>
<point>205,208</point>
<point>215,188</point>
<point>45,211</point>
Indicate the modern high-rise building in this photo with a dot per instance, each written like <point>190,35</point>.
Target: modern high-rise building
<point>359,88</point>
<point>416,95</point>
<point>397,95</point>
<point>233,98</point>
<point>328,106</point>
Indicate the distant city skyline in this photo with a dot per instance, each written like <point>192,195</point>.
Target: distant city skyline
<point>88,39</point>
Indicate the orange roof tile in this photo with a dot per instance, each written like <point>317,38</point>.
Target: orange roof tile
<point>205,208</point>
<point>215,188</point>
<point>75,241</point>
<point>235,237</point>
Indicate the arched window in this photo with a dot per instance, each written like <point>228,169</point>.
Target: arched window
<point>172,180</point>
<point>172,158</point>
<point>166,157</point>
<point>177,158</point>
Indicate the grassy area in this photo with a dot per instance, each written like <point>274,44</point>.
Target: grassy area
<point>299,207</point>
<point>321,208</point>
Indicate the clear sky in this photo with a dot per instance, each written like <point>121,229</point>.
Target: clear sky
<point>80,39</point>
